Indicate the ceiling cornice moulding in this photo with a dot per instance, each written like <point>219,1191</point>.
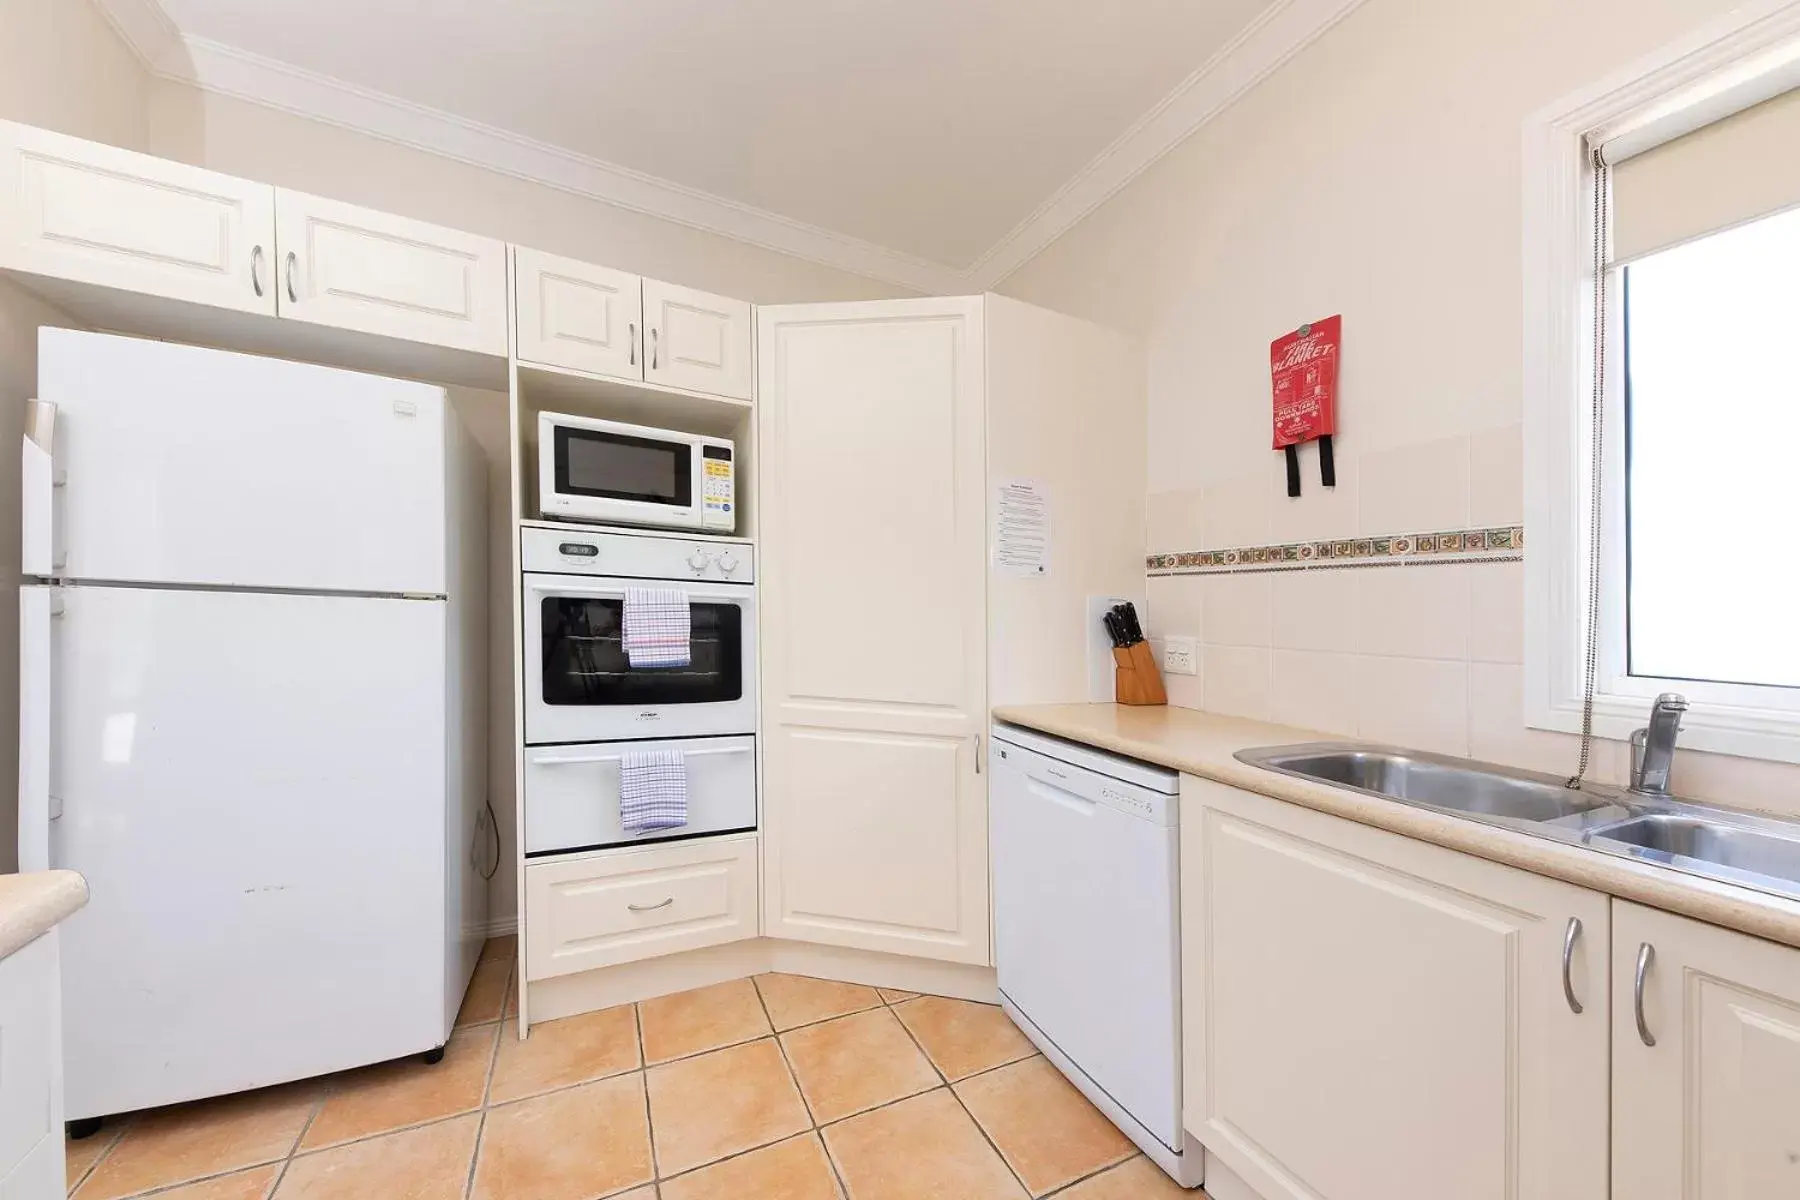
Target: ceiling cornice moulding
<point>1276,35</point>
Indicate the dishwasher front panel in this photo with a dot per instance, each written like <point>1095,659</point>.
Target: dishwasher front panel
<point>1086,937</point>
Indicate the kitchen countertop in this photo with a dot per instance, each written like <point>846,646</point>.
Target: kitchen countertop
<point>32,904</point>
<point>1198,743</point>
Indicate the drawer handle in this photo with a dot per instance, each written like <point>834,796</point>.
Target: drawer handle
<point>651,907</point>
<point>1570,936</point>
<point>1646,956</point>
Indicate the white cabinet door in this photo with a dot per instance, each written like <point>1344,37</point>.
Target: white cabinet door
<point>94,214</point>
<point>574,314</point>
<point>354,268</point>
<point>697,341</point>
<point>1712,1110</point>
<point>1367,1017</point>
<point>873,582</point>
<point>31,1097</point>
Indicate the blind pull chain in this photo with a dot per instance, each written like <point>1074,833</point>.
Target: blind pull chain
<point>1596,498</point>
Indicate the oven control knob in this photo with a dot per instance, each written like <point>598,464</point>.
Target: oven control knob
<point>697,561</point>
<point>727,562</point>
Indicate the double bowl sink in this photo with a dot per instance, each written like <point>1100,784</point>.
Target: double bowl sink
<point>1730,847</point>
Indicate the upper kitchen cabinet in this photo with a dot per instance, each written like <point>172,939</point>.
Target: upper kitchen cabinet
<point>871,419</point>
<point>354,268</point>
<point>1705,1061</point>
<point>574,314</point>
<point>93,214</point>
<point>697,341</point>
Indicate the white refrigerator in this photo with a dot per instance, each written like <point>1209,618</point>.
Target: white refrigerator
<point>252,647</point>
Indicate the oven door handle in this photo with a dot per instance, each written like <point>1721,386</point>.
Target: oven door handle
<point>560,760</point>
<point>739,597</point>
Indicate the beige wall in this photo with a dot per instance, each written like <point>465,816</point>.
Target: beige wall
<point>1378,175</point>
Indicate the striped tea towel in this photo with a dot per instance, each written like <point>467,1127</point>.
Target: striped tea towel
<point>652,790</point>
<point>656,627</point>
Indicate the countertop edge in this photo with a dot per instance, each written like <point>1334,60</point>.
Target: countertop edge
<point>34,903</point>
<point>1741,909</point>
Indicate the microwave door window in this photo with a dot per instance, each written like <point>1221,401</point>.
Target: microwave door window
<point>585,664</point>
<point>615,467</point>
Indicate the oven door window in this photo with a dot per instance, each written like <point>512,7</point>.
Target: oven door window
<point>584,659</point>
<point>615,467</point>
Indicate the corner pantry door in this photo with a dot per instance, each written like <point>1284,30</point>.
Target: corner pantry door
<point>874,652</point>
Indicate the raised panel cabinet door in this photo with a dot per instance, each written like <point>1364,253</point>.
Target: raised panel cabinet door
<point>697,341</point>
<point>574,314</point>
<point>871,422</point>
<point>89,213</point>
<point>1711,1111</point>
<point>355,268</point>
<point>1368,1017</point>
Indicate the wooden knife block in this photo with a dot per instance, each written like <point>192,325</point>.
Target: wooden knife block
<point>1137,680</point>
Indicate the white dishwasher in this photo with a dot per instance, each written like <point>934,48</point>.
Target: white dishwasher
<point>1087,933</point>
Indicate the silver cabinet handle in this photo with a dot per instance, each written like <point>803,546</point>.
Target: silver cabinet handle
<point>1570,936</point>
<point>631,341</point>
<point>256,257</point>
<point>978,754</point>
<point>651,907</point>
<point>654,356</point>
<point>1646,956</point>
<point>293,260</point>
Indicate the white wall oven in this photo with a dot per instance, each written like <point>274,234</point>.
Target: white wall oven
<point>579,684</point>
<point>619,474</point>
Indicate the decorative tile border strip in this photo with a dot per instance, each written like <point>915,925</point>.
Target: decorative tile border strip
<point>1407,549</point>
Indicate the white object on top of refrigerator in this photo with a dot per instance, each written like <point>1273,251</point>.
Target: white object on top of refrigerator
<point>252,714</point>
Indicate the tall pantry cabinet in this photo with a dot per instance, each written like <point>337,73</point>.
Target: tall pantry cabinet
<point>883,427</point>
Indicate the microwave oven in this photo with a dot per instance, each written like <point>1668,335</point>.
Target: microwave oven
<point>614,473</point>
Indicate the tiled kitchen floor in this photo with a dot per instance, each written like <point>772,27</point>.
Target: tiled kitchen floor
<point>781,1088</point>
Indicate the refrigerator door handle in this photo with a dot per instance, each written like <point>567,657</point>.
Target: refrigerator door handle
<point>38,553</point>
<point>39,606</point>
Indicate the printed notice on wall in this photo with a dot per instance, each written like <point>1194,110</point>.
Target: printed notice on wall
<point>1022,528</point>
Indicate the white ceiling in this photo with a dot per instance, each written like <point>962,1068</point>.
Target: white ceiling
<point>926,129</point>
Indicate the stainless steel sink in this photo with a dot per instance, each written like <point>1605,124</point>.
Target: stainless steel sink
<point>1497,794</point>
<point>1750,851</point>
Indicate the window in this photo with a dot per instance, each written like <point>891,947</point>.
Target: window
<point>1662,240</point>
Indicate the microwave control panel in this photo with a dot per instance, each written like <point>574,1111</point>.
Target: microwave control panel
<point>718,493</point>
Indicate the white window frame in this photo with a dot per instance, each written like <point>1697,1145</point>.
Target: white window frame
<point>1683,86</point>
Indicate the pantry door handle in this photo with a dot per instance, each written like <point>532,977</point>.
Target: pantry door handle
<point>1646,956</point>
<point>293,260</point>
<point>978,754</point>
<point>1570,936</point>
<point>256,257</point>
<point>651,907</point>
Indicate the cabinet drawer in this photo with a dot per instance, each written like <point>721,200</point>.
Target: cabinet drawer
<point>95,214</point>
<point>354,268</point>
<point>619,907</point>
<point>574,314</point>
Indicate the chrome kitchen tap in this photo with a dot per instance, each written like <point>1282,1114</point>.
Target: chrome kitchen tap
<point>1653,747</point>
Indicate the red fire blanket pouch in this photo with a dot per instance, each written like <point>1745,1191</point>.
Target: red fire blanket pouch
<point>1304,365</point>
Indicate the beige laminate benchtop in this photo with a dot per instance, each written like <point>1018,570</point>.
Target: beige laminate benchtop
<point>33,903</point>
<point>1202,744</point>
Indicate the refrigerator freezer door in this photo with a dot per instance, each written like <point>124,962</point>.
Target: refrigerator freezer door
<point>190,466</point>
<point>254,787</point>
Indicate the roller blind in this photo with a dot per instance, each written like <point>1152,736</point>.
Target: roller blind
<point>1733,170</point>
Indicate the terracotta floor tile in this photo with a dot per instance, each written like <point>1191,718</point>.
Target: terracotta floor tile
<point>1139,1179</point>
<point>1047,1130</point>
<point>406,1092</point>
<point>189,1141</point>
<point>574,1144</point>
<point>890,996</point>
<point>703,1109</point>
<point>506,947</point>
<point>487,992</point>
<point>558,1053</point>
<point>852,1063</point>
<point>962,1037</point>
<point>798,1000</point>
<point>253,1184</point>
<point>78,1156</point>
<point>706,1018</point>
<point>792,1170</point>
<point>428,1163</point>
<point>925,1146</point>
